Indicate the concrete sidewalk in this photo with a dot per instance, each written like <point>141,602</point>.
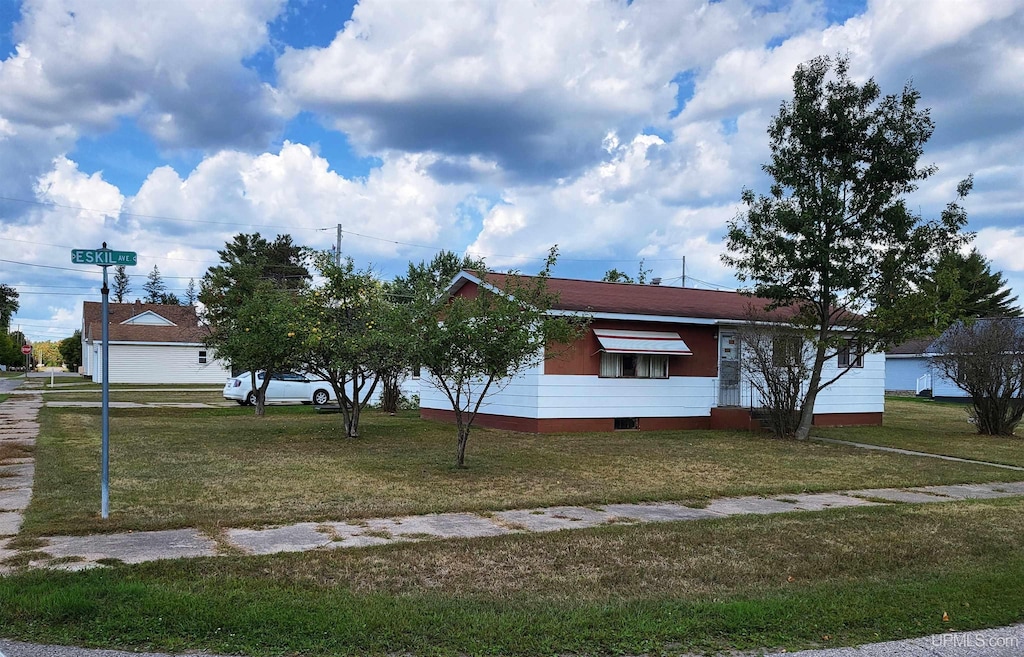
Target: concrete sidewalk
<point>995,642</point>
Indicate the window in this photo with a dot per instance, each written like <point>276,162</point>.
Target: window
<point>850,354</point>
<point>633,366</point>
<point>202,357</point>
<point>416,371</point>
<point>786,350</point>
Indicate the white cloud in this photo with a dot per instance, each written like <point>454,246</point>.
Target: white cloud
<point>177,65</point>
<point>532,87</point>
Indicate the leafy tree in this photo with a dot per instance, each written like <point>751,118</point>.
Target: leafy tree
<point>473,344</point>
<point>190,293</point>
<point>343,334</point>
<point>122,284</point>
<point>8,306</point>
<point>834,238</point>
<point>986,359</point>
<point>13,356</point>
<point>71,350</point>
<point>169,299</point>
<point>154,286</point>
<point>430,279</point>
<point>616,276</point>
<point>251,306</point>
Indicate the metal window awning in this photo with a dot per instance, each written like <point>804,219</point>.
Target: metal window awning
<point>616,341</point>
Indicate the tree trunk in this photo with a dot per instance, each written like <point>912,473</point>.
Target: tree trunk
<point>803,430</point>
<point>463,439</point>
<point>261,395</point>
<point>390,393</point>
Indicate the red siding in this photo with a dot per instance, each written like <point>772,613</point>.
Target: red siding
<point>584,357</point>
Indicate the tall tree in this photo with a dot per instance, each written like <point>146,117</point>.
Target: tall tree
<point>343,334</point>
<point>255,288</point>
<point>473,344</point>
<point>154,286</point>
<point>190,293</point>
<point>71,351</point>
<point>834,237</point>
<point>963,286</point>
<point>122,284</point>
<point>8,306</point>
<point>431,278</point>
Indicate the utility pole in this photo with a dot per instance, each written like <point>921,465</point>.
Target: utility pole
<point>337,251</point>
<point>684,271</point>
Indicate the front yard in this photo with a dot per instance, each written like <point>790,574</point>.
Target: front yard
<point>924,425</point>
<point>809,579</point>
<point>224,467</point>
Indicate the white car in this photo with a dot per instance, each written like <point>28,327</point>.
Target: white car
<point>284,388</point>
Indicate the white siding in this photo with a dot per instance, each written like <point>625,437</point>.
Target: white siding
<point>140,363</point>
<point>861,390</point>
<point>516,396</point>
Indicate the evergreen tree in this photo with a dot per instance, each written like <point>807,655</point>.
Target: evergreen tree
<point>154,286</point>
<point>964,286</point>
<point>190,293</point>
<point>122,285</point>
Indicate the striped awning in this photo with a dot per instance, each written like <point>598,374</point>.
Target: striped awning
<point>616,341</point>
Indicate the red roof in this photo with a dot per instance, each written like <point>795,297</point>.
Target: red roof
<point>634,299</point>
<point>186,322</point>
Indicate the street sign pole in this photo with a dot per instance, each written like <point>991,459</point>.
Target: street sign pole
<point>104,257</point>
<point>105,456</point>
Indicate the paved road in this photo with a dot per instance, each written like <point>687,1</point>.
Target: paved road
<point>998,642</point>
<point>8,384</point>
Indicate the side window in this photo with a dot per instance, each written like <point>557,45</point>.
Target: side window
<point>202,357</point>
<point>850,355</point>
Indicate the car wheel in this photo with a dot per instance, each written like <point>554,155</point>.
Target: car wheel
<point>321,397</point>
<point>250,399</point>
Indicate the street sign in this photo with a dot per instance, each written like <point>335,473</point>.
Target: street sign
<point>26,349</point>
<point>103,257</point>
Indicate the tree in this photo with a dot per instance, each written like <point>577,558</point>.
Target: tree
<point>430,279</point>
<point>71,351</point>
<point>154,287</point>
<point>344,336</point>
<point>122,284</point>
<point>963,286</point>
<point>8,306</point>
<point>169,299</point>
<point>616,276</point>
<point>986,359</point>
<point>190,293</point>
<point>775,361</point>
<point>834,238</point>
<point>471,344</point>
<point>251,305</point>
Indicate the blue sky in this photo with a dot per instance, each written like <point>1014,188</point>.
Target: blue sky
<point>618,130</point>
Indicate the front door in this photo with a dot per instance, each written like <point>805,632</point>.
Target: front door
<point>728,369</point>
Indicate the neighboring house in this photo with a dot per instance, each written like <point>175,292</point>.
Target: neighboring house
<point>149,343</point>
<point>907,368</point>
<point>944,388</point>
<point>653,358</point>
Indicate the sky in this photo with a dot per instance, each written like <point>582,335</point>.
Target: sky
<point>617,130</point>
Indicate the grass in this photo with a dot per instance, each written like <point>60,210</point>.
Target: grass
<point>935,428</point>
<point>226,468</point>
<point>798,580</point>
<point>3,398</point>
<point>150,396</point>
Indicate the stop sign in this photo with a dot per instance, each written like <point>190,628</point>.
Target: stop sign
<point>26,349</point>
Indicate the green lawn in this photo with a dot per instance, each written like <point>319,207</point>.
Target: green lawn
<point>205,396</point>
<point>934,427</point>
<point>798,580</point>
<point>225,467</point>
